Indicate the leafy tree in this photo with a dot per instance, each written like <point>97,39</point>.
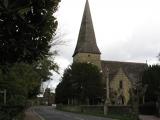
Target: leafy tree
<point>21,79</point>
<point>81,81</point>
<point>158,56</point>
<point>158,93</point>
<point>44,68</point>
<point>64,90</point>
<point>151,77</point>
<point>26,29</point>
<point>21,83</point>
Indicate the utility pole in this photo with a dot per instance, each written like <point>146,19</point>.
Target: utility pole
<point>4,92</point>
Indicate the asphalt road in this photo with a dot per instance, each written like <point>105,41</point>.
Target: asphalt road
<point>49,113</point>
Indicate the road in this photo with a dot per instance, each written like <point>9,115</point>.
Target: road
<point>50,113</point>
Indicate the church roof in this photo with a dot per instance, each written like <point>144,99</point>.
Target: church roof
<point>86,40</point>
<point>131,69</point>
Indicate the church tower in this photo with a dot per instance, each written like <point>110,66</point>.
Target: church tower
<point>86,49</point>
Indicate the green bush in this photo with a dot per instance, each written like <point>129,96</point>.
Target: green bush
<point>9,112</point>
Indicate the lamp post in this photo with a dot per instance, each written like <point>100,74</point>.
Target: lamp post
<point>107,93</point>
<point>4,92</point>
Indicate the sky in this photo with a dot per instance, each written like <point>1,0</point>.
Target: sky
<point>126,30</point>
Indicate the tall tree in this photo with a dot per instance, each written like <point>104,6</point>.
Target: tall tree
<point>151,78</point>
<point>64,90</point>
<point>26,29</point>
<point>81,81</point>
<point>158,56</point>
<point>26,32</point>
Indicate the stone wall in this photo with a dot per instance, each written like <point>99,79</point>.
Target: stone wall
<point>98,109</point>
<point>120,109</point>
<point>71,108</point>
<point>88,57</point>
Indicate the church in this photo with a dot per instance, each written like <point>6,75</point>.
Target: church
<point>118,76</point>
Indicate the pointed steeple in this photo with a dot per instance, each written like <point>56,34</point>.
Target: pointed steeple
<point>86,40</point>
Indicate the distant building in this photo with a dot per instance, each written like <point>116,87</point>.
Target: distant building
<point>48,97</point>
<point>121,75</point>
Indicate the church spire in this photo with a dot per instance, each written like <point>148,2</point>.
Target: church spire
<point>86,40</point>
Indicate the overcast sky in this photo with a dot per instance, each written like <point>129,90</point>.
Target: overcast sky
<point>126,30</point>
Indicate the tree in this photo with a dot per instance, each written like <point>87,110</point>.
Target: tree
<point>26,32</point>
<point>26,29</point>
<point>151,78</point>
<point>158,93</point>
<point>158,56</point>
<point>65,85</point>
<point>81,82</point>
<point>21,83</point>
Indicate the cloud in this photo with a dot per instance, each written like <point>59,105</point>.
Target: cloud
<point>141,46</point>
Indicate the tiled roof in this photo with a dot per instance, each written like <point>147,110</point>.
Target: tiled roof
<point>132,70</point>
<point>86,40</point>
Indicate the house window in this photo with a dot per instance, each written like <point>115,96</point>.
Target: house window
<point>121,84</point>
